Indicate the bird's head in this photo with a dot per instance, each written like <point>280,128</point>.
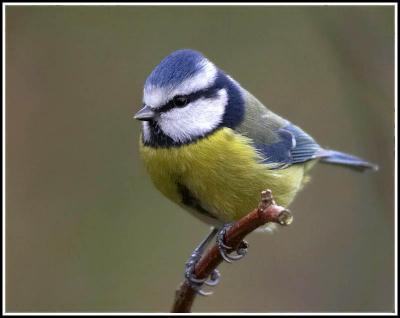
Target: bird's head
<point>186,97</point>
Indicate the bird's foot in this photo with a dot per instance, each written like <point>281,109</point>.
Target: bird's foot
<point>225,250</point>
<point>197,283</point>
<point>194,282</point>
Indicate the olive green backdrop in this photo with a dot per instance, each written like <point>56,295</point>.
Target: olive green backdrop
<point>85,228</point>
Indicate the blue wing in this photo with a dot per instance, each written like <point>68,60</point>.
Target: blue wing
<point>294,146</point>
<point>282,144</point>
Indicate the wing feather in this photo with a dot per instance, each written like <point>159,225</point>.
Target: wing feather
<point>279,141</point>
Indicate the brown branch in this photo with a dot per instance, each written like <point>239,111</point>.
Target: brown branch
<point>267,211</point>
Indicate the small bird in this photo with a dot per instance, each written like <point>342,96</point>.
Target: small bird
<point>211,147</point>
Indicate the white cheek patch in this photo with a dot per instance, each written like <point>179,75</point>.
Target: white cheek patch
<point>158,96</point>
<point>196,119</point>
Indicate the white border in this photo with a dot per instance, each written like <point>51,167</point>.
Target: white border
<point>395,159</point>
<point>201,4</point>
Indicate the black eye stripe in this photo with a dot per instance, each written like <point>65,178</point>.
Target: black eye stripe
<point>206,93</point>
<point>180,100</point>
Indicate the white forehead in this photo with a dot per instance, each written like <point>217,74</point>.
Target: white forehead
<point>156,96</point>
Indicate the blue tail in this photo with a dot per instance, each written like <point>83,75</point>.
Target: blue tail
<point>344,159</point>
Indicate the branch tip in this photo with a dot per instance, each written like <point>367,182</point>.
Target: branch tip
<point>285,217</point>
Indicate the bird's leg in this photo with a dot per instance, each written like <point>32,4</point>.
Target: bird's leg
<point>225,250</point>
<point>194,282</point>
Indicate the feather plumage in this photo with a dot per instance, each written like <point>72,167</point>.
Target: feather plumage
<point>217,153</point>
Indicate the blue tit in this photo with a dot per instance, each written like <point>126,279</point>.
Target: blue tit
<point>211,146</point>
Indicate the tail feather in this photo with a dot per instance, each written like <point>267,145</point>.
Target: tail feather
<point>344,159</point>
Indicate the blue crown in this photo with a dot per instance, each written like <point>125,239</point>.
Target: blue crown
<point>175,68</point>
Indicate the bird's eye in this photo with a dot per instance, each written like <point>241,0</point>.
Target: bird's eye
<point>180,101</point>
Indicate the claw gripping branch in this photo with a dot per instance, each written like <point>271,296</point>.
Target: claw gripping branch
<point>267,211</point>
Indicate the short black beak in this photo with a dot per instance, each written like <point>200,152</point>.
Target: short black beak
<point>145,114</point>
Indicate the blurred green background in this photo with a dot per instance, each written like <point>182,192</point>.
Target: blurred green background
<point>85,228</point>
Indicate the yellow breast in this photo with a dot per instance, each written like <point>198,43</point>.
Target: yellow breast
<point>223,172</point>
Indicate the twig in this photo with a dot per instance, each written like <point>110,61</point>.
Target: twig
<point>267,211</point>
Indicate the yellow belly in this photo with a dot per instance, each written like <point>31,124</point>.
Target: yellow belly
<point>223,172</point>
